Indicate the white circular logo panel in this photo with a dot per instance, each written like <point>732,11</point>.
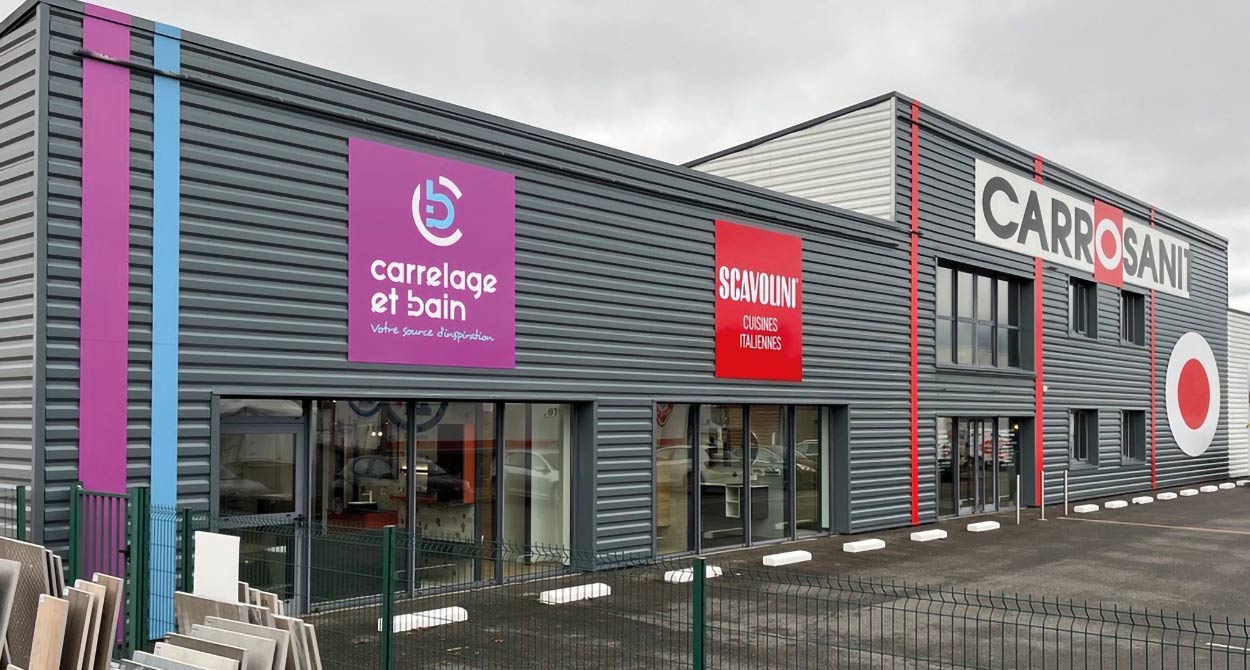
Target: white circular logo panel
<point>1193,394</point>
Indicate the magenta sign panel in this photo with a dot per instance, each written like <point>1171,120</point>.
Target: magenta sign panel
<point>431,260</point>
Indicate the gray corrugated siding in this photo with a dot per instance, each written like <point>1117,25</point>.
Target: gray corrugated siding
<point>1239,394</point>
<point>845,161</point>
<point>1080,373</point>
<point>18,97</point>
<point>614,267</point>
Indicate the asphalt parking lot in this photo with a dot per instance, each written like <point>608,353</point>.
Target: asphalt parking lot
<point>1187,554</point>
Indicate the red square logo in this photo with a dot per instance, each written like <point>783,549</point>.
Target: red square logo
<point>1108,244</point>
<point>759,304</point>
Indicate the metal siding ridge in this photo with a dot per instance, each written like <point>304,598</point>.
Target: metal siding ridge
<point>166,210</point>
<point>1154,407</point>
<point>105,262</point>
<point>915,313</point>
<point>1039,362</point>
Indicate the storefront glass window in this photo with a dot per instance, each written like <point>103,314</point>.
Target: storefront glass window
<point>720,475</point>
<point>537,469</point>
<point>675,425</point>
<point>361,466</point>
<point>770,490</point>
<point>810,459</point>
<point>256,473</point>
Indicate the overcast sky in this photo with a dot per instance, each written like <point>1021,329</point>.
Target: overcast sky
<point>1149,97</point>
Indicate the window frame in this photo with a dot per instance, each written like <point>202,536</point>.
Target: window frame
<point>1139,319</point>
<point>975,322</point>
<point>1089,292</point>
<point>1129,418</point>
<point>1077,416</point>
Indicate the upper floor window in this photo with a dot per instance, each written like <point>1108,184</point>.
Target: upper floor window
<point>978,318</point>
<point>1133,317</point>
<point>1084,301</point>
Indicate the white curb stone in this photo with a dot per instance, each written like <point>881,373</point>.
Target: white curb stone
<point>440,617</point>
<point>1143,500</point>
<point>686,575</point>
<point>1209,488</point>
<point>574,593</point>
<point>787,558</point>
<point>982,526</point>
<point>1185,493</point>
<point>863,545</point>
<point>1167,495</point>
<point>1227,485</point>
<point>1115,504</point>
<point>1243,482</point>
<point>1085,509</point>
<point>928,535</point>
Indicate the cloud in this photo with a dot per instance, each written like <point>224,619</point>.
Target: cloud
<point>1144,96</point>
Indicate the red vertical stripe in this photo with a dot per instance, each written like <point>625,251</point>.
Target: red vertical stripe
<point>915,313</point>
<point>1154,408</point>
<point>1039,382</point>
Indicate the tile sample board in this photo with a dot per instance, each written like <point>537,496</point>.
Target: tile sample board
<point>196,658</point>
<point>210,647</point>
<point>49,634</point>
<point>260,650</point>
<point>32,584</point>
<point>281,638</point>
<point>98,594</point>
<point>77,625</point>
<point>217,567</point>
<point>113,594</point>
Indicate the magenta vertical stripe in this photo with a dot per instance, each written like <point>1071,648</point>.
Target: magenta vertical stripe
<point>105,253</point>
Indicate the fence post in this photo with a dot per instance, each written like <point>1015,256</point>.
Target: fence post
<point>387,623</point>
<point>188,551</point>
<point>21,514</point>
<point>698,623</point>
<point>75,531</point>
<point>137,547</point>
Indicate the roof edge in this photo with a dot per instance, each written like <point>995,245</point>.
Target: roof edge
<point>793,129</point>
<point>17,15</point>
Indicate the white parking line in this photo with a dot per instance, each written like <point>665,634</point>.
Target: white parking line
<point>1224,531</point>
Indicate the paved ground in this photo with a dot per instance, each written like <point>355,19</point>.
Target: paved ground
<point>1185,554</point>
<point>1189,554</point>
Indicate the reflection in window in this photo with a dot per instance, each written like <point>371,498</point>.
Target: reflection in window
<point>256,474</point>
<point>978,319</point>
<point>720,475</point>
<point>675,424</point>
<point>260,407</point>
<point>361,467</point>
<point>537,474</point>
<point>453,466</point>
<point>770,500</point>
<point>811,453</point>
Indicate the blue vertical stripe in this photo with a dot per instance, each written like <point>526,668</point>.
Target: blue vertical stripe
<point>166,197</point>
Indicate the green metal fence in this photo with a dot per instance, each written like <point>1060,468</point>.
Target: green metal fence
<point>679,613</point>
<point>13,512</point>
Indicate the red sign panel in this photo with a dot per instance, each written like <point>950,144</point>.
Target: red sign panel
<point>1108,244</point>
<point>759,304</point>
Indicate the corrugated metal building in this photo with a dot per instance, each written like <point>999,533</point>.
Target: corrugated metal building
<point>265,289</point>
<point>1096,347</point>
<point>1238,393</point>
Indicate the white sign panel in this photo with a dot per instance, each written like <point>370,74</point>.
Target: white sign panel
<point>1016,213</point>
<point>216,567</point>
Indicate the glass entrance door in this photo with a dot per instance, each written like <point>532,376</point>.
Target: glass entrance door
<point>259,500</point>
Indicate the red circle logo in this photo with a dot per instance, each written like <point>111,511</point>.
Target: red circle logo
<point>1193,394</point>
